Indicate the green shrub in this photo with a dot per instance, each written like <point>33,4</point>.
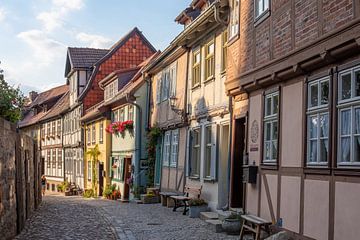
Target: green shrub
<point>107,191</point>
<point>197,202</point>
<point>89,193</point>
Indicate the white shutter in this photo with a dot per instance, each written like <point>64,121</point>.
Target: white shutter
<point>173,80</point>
<point>214,156</point>
<point>174,147</point>
<point>158,90</point>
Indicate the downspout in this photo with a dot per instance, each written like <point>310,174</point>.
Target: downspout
<point>229,148</point>
<point>185,119</point>
<point>137,138</point>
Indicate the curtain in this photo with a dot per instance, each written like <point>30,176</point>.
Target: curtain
<point>345,130</point>
<point>324,124</point>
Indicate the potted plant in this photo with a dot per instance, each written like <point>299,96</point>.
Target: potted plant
<point>232,224</point>
<point>196,206</point>
<point>107,192</point>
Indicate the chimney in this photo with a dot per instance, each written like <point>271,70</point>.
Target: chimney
<point>33,95</point>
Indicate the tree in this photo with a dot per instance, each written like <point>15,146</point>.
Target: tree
<point>94,154</point>
<point>11,100</point>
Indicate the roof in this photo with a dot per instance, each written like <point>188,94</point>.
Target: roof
<point>189,13</point>
<point>49,95</point>
<point>119,74</point>
<point>113,49</point>
<point>30,119</point>
<point>83,57</point>
<point>59,108</point>
<point>95,112</point>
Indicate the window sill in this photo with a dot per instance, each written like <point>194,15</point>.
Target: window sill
<point>209,79</point>
<point>259,19</point>
<point>269,166</point>
<point>321,170</point>
<point>223,72</point>
<point>348,171</point>
<point>232,39</point>
<point>196,86</point>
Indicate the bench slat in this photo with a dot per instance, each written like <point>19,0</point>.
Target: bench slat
<point>255,219</point>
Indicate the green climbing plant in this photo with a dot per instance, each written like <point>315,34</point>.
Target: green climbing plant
<point>94,155</point>
<point>152,136</point>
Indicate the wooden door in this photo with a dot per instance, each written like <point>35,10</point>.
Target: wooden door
<point>127,175</point>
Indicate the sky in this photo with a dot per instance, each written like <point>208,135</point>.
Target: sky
<point>35,34</point>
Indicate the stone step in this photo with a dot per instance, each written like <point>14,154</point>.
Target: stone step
<point>223,214</point>
<point>214,224</point>
<point>208,215</point>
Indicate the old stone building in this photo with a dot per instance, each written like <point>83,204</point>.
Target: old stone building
<point>293,73</point>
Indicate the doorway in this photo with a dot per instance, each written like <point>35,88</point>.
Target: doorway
<point>101,178</point>
<point>127,175</point>
<point>237,187</point>
<point>223,194</point>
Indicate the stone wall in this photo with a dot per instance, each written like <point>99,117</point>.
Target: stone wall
<point>20,171</point>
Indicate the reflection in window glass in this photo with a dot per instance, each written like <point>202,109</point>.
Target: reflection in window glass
<point>346,86</point>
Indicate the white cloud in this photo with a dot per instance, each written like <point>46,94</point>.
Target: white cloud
<point>3,14</point>
<point>54,18</point>
<point>94,41</point>
<point>45,49</point>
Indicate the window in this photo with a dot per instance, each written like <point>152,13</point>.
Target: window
<point>60,161</point>
<point>261,6</point>
<point>209,60</point>
<point>48,158</point>
<point>234,18</point>
<point>174,147</point>
<point>101,132</point>
<point>208,146</point>
<point>111,90</point>
<point>224,38</point>
<point>195,154</point>
<point>93,133</point>
<point>165,85</point>
<point>196,68</point>
<point>48,130</point>
<point>173,76</point>
<point>158,88</point>
<point>131,112</point>
<point>42,130</point>
<point>271,127</point>
<point>88,135</point>
<point>89,170</point>
<point>318,122</point>
<point>122,115</point>
<point>166,151</point>
<point>58,128</point>
<point>53,158</point>
<point>116,116</point>
<point>53,128</point>
<point>349,117</point>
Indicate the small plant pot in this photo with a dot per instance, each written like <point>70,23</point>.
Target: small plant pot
<point>194,211</point>
<point>231,226</point>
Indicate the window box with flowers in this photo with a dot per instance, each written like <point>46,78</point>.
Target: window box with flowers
<point>120,128</point>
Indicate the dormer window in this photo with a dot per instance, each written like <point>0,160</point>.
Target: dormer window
<point>111,90</point>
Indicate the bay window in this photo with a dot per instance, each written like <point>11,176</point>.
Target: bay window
<point>271,127</point>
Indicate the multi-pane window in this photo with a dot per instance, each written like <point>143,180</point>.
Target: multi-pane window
<point>116,116</point>
<point>122,115</point>
<point>58,128</point>
<point>53,158</point>
<point>48,158</point>
<point>53,128</point>
<point>234,18</point>
<point>89,170</point>
<point>166,151</point>
<point>174,147</point>
<point>48,129</point>
<point>42,130</point>
<point>208,148</point>
<point>318,122</point>
<point>196,68</point>
<point>271,127</point>
<point>88,136</point>
<point>93,133</point>
<point>261,6</point>
<point>158,88</point>
<point>172,76</point>
<point>101,132</point>
<point>349,117</point>
<point>224,39</point>
<point>111,90</point>
<point>166,84</point>
<point>131,112</point>
<point>209,60</point>
<point>195,153</point>
<point>60,161</point>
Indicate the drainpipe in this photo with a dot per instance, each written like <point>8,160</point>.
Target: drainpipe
<point>229,148</point>
<point>137,137</point>
<point>185,119</point>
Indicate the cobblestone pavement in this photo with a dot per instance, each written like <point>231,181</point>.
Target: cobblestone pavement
<point>77,218</point>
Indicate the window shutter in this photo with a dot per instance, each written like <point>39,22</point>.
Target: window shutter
<point>111,170</point>
<point>214,157</point>
<point>173,80</point>
<point>158,90</point>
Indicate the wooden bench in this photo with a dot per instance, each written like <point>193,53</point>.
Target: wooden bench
<point>254,225</point>
<point>189,193</point>
<point>165,196</point>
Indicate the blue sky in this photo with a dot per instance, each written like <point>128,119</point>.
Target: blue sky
<point>36,33</point>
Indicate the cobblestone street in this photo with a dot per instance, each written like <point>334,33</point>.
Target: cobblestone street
<point>77,218</point>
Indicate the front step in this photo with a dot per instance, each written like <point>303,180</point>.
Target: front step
<point>208,216</point>
<point>215,225</point>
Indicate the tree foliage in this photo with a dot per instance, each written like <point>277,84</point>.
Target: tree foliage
<point>11,101</point>
<point>94,154</point>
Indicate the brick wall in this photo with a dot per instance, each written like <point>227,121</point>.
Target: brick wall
<point>19,179</point>
<point>131,54</point>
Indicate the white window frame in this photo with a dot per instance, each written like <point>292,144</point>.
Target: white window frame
<point>101,132</point>
<point>234,19</point>
<point>198,147</point>
<point>93,133</point>
<point>173,79</point>
<point>166,148</point>
<point>122,115</point>
<point>317,111</point>
<point>89,170</point>
<point>131,112</point>
<point>351,104</point>
<point>265,7</point>
<point>174,150</point>
<point>272,119</point>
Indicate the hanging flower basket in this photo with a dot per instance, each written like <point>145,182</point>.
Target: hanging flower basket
<point>121,128</point>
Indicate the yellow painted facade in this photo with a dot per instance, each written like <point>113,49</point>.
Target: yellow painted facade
<point>95,134</point>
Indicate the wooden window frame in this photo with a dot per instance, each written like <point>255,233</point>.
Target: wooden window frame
<point>101,132</point>
<point>93,133</point>
<point>234,25</point>
<point>198,147</point>
<point>196,69</point>
<point>209,61</point>
<point>224,42</point>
